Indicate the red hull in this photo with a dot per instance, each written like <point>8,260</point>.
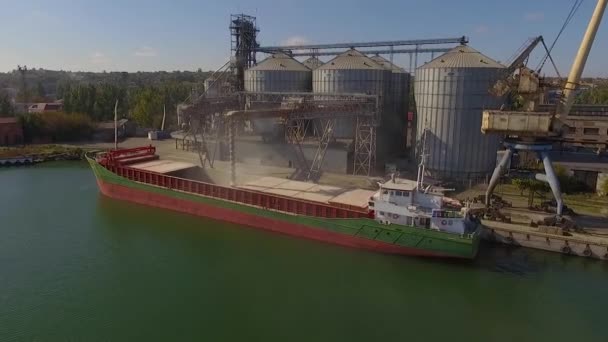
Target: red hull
<point>237,217</point>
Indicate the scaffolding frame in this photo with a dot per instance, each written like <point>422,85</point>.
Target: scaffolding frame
<point>243,45</point>
<point>298,110</point>
<point>326,127</point>
<point>364,158</point>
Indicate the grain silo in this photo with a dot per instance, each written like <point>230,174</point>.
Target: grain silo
<point>351,72</point>
<point>395,116</point>
<point>312,63</point>
<point>451,92</point>
<point>277,73</point>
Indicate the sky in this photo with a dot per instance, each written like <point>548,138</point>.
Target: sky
<point>133,35</point>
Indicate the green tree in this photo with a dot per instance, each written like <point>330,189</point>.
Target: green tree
<point>604,187</point>
<point>148,107</point>
<point>40,91</point>
<point>597,95</point>
<point>56,126</point>
<point>80,99</point>
<point>533,186</point>
<point>105,100</point>
<point>6,106</point>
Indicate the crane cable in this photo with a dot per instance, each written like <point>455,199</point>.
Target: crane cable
<point>577,4</point>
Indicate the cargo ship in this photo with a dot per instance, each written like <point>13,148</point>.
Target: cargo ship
<point>401,217</point>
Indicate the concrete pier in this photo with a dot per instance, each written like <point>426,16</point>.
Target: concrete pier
<point>546,238</point>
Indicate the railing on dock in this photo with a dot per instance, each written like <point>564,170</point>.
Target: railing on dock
<point>237,195</point>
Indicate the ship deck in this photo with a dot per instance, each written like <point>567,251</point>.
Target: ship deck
<point>163,166</point>
<point>326,194</point>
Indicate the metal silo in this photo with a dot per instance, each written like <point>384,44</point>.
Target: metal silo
<point>277,73</point>
<point>312,63</point>
<point>351,72</point>
<point>395,116</point>
<point>451,92</point>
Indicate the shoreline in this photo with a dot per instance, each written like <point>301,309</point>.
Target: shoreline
<point>36,154</point>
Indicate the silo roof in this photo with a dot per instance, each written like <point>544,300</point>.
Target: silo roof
<point>313,63</point>
<point>462,57</point>
<point>387,64</point>
<point>280,61</point>
<point>351,59</point>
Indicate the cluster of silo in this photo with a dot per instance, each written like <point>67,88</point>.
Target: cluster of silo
<point>277,73</point>
<point>351,72</point>
<point>451,92</point>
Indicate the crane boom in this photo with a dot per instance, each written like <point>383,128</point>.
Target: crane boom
<point>518,62</point>
<point>579,62</point>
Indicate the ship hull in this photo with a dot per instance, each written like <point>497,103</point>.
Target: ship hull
<point>354,233</point>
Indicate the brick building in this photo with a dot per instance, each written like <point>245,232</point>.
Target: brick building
<point>11,132</point>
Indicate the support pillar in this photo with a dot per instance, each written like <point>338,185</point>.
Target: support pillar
<point>553,182</point>
<point>498,171</point>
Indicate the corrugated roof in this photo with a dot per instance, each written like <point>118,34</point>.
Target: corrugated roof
<point>351,59</point>
<point>312,63</point>
<point>462,57</point>
<point>280,61</point>
<point>387,64</point>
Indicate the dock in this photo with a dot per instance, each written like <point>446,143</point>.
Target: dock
<point>589,245</point>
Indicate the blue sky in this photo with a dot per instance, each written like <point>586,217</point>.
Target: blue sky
<point>153,35</point>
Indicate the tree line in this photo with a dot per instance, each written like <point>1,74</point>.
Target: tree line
<point>144,105</point>
<point>597,95</point>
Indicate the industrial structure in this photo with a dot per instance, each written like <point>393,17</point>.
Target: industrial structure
<point>536,131</point>
<point>358,100</point>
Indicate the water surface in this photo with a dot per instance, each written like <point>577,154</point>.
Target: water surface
<point>75,265</point>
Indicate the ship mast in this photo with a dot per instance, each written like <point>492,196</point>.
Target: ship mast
<point>116,125</point>
<point>421,166</point>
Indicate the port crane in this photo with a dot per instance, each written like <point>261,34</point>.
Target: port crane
<point>536,131</point>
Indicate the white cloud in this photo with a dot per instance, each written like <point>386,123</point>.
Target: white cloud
<point>534,16</point>
<point>481,29</point>
<point>98,57</point>
<point>145,51</point>
<point>295,40</point>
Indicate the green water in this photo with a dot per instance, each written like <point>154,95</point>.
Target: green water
<point>77,266</point>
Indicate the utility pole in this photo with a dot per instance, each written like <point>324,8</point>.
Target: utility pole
<point>24,91</point>
<point>116,125</point>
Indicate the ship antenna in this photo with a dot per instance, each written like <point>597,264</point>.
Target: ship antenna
<point>421,166</point>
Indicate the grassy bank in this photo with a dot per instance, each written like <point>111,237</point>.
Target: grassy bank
<point>43,152</point>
